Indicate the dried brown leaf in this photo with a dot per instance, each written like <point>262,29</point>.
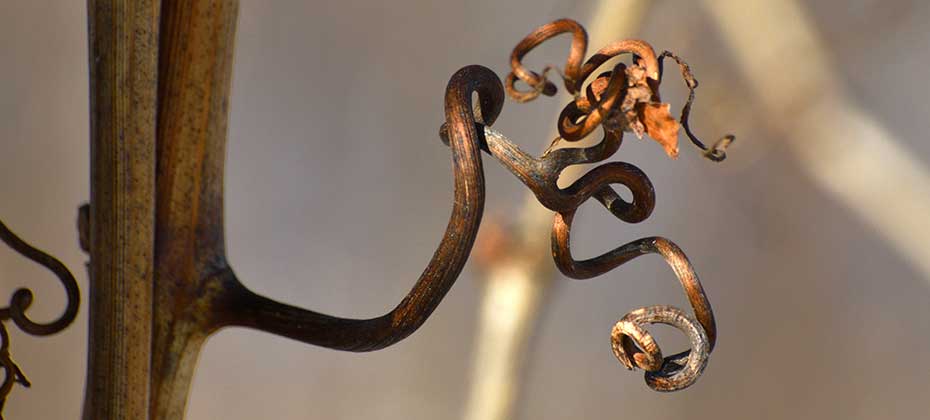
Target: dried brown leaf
<point>661,126</point>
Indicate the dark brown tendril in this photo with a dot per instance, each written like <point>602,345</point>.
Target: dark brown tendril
<point>718,151</point>
<point>12,374</point>
<point>22,298</point>
<point>613,100</point>
<point>538,82</point>
<point>20,302</point>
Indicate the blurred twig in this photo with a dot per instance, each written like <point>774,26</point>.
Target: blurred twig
<point>520,273</point>
<point>846,151</point>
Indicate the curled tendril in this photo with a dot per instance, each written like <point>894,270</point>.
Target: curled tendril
<point>635,347</point>
<point>538,83</point>
<point>12,373</point>
<point>669,374</point>
<point>615,101</point>
<point>718,151</point>
<point>22,298</point>
<point>619,97</point>
<point>20,302</point>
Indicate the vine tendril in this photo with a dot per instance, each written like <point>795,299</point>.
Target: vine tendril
<point>622,99</point>
<point>718,151</point>
<point>21,300</point>
<point>12,374</point>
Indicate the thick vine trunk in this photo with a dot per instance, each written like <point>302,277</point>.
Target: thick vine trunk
<point>197,42</point>
<point>156,198</point>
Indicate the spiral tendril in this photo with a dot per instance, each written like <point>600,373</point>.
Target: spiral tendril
<point>615,101</point>
<point>20,302</point>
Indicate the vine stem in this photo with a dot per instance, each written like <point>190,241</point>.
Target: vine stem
<point>123,71</point>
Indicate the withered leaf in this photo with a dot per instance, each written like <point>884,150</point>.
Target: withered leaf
<point>661,127</point>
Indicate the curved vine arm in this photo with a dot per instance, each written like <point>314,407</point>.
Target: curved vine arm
<point>252,310</point>
<point>611,97</point>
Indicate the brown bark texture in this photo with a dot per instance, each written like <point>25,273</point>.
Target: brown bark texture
<point>123,59</point>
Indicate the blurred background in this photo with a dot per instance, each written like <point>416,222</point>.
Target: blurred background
<point>810,239</point>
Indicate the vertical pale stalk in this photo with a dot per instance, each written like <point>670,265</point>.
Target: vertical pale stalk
<point>845,151</point>
<point>513,295</point>
<point>123,73</point>
<point>518,279</point>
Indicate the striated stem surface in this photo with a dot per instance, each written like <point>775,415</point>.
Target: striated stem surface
<point>195,69</point>
<point>123,80</point>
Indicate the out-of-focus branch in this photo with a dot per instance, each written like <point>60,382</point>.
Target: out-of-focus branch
<point>516,284</point>
<point>519,272</point>
<point>846,151</point>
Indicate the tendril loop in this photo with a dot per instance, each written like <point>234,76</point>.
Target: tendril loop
<point>22,298</point>
<point>635,347</point>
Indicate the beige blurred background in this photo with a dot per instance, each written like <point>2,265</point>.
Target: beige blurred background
<point>821,295</point>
